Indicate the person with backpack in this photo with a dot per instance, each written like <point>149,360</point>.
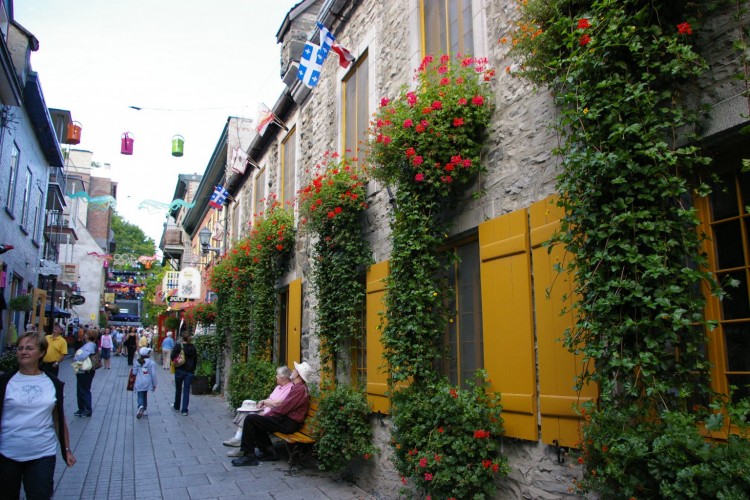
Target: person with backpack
<point>185,360</point>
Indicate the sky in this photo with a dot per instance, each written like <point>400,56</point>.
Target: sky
<point>188,64</point>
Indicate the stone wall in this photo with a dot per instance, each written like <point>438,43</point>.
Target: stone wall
<point>521,169</point>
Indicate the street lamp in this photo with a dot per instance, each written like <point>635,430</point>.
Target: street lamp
<point>205,239</point>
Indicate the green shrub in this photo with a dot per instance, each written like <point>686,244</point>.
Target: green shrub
<point>447,439</point>
<point>343,427</point>
<point>8,361</point>
<point>254,379</point>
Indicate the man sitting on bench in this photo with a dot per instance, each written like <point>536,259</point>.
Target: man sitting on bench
<point>286,418</point>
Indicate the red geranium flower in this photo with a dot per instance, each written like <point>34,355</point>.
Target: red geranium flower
<point>457,122</point>
<point>481,434</point>
<point>437,105</point>
<point>684,29</point>
<point>417,160</point>
<point>427,476</point>
<point>384,102</point>
<point>423,462</point>
<point>419,177</point>
<point>408,123</point>
<point>410,152</point>
<point>585,39</point>
<point>462,101</point>
<point>583,24</point>
<point>477,100</point>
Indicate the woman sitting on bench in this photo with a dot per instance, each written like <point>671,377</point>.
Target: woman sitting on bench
<point>287,418</point>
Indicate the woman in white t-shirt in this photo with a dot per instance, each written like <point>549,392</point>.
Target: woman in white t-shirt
<point>31,409</point>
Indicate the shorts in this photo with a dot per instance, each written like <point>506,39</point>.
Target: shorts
<point>105,352</point>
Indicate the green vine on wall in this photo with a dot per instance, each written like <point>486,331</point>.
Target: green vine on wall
<point>426,143</point>
<point>331,206</point>
<point>630,164</point>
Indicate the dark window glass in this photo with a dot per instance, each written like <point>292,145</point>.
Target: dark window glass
<point>742,386</point>
<point>728,241</point>
<point>735,303</point>
<point>724,198</point>
<point>737,339</point>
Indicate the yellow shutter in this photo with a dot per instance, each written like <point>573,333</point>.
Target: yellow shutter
<point>558,368</point>
<point>507,320</point>
<point>294,322</point>
<point>377,371</point>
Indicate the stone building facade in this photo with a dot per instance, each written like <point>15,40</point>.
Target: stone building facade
<point>389,39</point>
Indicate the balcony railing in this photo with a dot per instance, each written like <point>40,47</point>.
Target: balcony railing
<point>56,218</point>
<point>56,176</point>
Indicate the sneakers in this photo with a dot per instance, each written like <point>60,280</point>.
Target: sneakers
<point>141,411</point>
<point>173,407</point>
<point>184,414</point>
<point>234,442</point>
<point>235,453</point>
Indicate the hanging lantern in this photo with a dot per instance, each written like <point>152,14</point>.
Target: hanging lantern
<point>126,144</point>
<point>74,133</point>
<point>178,145</point>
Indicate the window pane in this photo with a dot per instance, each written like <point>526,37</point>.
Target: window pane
<point>469,311</point>
<point>741,382</point>
<point>737,339</point>
<point>735,304</point>
<point>468,35</point>
<point>454,26</point>
<point>350,116</point>
<point>724,198</point>
<point>363,107</point>
<point>434,26</point>
<point>727,238</point>
<point>289,162</point>
<point>744,179</point>
<point>280,355</point>
<point>260,193</point>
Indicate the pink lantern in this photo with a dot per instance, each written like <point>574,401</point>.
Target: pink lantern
<point>126,144</point>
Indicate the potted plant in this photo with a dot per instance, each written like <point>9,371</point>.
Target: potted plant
<point>204,374</point>
<point>21,303</point>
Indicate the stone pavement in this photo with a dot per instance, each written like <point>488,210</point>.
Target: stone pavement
<point>167,455</point>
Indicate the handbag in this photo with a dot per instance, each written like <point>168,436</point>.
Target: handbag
<point>81,366</point>
<point>96,361</point>
<point>180,359</point>
<point>131,381</point>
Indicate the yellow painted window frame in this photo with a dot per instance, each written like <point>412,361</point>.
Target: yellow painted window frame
<point>352,73</point>
<point>446,26</point>
<point>292,135</point>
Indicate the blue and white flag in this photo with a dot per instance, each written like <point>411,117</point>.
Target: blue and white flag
<point>326,40</point>
<point>310,65</point>
<point>219,197</point>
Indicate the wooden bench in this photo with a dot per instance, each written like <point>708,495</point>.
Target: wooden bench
<point>303,438</point>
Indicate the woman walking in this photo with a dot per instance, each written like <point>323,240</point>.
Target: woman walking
<point>129,344</point>
<point>166,351</point>
<point>32,423</point>
<point>106,345</point>
<point>183,372</point>
<point>84,379</point>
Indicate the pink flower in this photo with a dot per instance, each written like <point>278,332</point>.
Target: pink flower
<point>585,39</point>
<point>437,105</point>
<point>477,100</point>
<point>445,81</point>
<point>427,476</point>
<point>419,128</point>
<point>419,178</point>
<point>411,98</point>
<point>384,102</point>
<point>443,69</point>
<point>467,162</point>
<point>410,152</point>
<point>408,123</point>
<point>424,123</point>
<point>423,462</point>
<point>467,62</point>
<point>417,160</point>
<point>460,80</point>
<point>462,101</point>
<point>403,479</point>
<point>447,179</point>
<point>387,139</point>
<point>444,58</point>
<point>457,122</point>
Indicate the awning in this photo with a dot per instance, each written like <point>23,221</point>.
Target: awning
<point>58,313</point>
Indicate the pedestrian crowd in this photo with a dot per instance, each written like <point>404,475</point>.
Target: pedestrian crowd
<point>32,410</point>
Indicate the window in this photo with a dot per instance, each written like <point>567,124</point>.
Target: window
<point>259,194</point>
<point>236,222</point>
<point>25,208</point>
<point>463,338</point>
<point>726,216</point>
<point>288,163</point>
<point>38,216</point>
<point>356,113</point>
<point>11,199</point>
<point>359,349</point>
<point>446,27</point>
<point>280,356</point>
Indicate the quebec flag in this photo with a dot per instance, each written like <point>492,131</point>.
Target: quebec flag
<point>219,197</point>
<point>310,65</point>
<point>326,40</point>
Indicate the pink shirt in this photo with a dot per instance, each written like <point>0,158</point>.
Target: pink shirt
<point>295,405</point>
<point>106,341</point>
<point>279,393</point>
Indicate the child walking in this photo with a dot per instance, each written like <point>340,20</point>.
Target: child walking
<point>145,378</point>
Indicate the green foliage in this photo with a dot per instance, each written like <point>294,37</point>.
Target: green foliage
<point>131,239</point>
<point>343,428</point>
<point>20,303</point>
<point>8,361</point>
<point>210,347</point>
<point>254,379</point>
<point>151,311</point>
<point>426,143</point>
<point>331,207</point>
<point>667,457</point>
<point>617,71</point>
<point>201,312</point>
<point>447,439</point>
<point>172,323</point>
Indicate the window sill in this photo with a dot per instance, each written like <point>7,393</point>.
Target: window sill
<point>34,242</point>
<point>10,214</point>
<point>24,231</point>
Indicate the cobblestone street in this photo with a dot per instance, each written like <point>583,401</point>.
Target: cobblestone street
<point>167,455</point>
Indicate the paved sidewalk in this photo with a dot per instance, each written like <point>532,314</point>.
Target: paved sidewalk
<point>167,455</point>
